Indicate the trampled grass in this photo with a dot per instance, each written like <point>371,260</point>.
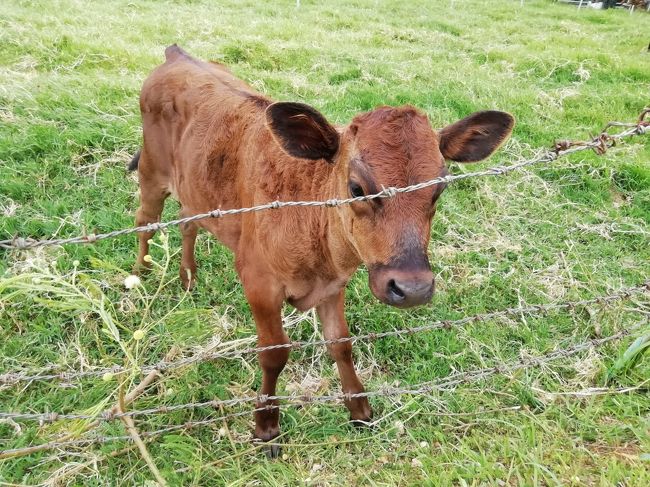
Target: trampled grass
<point>70,74</point>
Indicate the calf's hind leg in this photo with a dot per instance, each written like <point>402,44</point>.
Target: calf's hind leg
<point>153,192</point>
<point>188,264</point>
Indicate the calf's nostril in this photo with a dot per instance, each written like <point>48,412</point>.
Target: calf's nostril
<point>394,289</point>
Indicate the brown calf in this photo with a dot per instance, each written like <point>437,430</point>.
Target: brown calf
<point>213,142</point>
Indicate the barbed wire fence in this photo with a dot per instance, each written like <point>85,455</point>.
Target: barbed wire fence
<point>302,398</point>
<point>421,389</point>
<point>46,374</point>
<point>599,144</point>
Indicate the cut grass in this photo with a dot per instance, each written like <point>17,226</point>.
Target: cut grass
<point>70,74</point>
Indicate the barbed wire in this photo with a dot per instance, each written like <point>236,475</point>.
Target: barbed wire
<point>599,144</point>
<point>420,389</point>
<point>46,374</point>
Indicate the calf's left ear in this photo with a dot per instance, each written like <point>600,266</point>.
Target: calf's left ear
<point>475,137</point>
<point>302,131</point>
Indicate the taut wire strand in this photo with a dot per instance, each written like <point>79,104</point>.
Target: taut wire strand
<point>599,144</point>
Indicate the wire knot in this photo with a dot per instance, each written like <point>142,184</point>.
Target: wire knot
<point>216,214</point>
<point>601,143</point>
<point>20,243</point>
<point>562,145</point>
<point>331,203</point>
<point>92,238</point>
<point>391,192</point>
<point>275,205</point>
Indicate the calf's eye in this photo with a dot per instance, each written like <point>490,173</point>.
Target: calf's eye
<point>356,190</point>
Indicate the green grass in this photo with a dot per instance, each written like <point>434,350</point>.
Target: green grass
<point>70,74</point>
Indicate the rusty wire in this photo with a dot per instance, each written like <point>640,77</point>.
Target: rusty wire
<point>421,389</point>
<point>599,144</point>
<point>47,374</point>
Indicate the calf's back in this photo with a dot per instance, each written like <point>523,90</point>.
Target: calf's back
<point>208,144</point>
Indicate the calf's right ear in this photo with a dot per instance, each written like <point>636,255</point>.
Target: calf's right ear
<point>475,137</point>
<point>302,131</point>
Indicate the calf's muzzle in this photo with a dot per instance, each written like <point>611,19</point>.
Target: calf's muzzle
<point>402,288</point>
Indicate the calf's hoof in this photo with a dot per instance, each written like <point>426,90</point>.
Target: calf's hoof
<point>188,279</point>
<point>268,435</point>
<point>360,412</point>
<point>272,451</point>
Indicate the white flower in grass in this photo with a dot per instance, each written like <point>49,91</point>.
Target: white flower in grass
<point>147,258</point>
<point>75,263</point>
<point>131,281</point>
<point>107,377</point>
<point>138,334</point>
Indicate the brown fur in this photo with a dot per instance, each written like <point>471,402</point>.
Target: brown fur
<point>213,142</point>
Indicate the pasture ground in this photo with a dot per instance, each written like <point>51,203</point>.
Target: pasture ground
<point>70,73</point>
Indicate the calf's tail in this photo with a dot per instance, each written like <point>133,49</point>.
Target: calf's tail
<point>133,165</point>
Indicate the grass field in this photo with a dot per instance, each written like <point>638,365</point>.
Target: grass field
<point>70,74</point>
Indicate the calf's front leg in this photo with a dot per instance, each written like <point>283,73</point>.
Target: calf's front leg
<point>265,298</point>
<point>331,314</point>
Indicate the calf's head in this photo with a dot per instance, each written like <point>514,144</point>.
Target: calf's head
<point>389,147</point>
